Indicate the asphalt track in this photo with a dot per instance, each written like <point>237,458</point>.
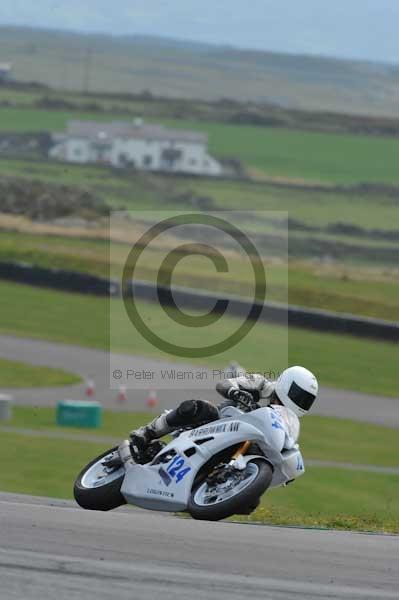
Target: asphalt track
<point>53,550</point>
<point>95,364</point>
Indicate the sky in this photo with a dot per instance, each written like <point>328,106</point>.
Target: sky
<point>360,29</point>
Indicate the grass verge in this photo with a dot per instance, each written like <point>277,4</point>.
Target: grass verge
<point>41,466</point>
<point>20,375</point>
<point>336,499</point>
<point>342,361</point>
<point>114,424</point>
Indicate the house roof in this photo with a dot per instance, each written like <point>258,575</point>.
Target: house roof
<point>135,130</point>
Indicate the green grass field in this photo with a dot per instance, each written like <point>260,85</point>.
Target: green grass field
<point>316,208</point>
<point>47,467</point>
<point>340,361</point>
<point>114,424</point>
<point>143,191</point>
<point>323,157</point>
<point>334,498</point>
<point>330,158</point>
<point>19,375</point>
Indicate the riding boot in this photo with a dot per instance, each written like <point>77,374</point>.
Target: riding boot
<point>152,431</point>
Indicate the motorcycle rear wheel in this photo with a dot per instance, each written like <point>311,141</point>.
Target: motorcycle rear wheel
<point>216,503</point>
<point>98,488</point>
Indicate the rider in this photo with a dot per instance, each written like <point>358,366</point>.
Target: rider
<point>291,395</point>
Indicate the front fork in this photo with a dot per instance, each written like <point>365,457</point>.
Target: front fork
<point>237,460</point>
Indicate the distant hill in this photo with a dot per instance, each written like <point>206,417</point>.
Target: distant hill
<point>190,70</point>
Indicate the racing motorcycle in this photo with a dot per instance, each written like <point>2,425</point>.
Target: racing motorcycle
<point>211,472</point>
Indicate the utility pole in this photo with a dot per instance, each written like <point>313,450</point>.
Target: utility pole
<point>87,68</point>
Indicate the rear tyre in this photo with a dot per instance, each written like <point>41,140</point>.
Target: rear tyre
<point>212,503</point>
<point>99,488</point>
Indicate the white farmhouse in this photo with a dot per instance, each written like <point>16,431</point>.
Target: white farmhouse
<point>137,144</point>
<point>5,72</point>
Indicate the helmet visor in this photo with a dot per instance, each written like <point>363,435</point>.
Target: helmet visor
<point>301,397</point>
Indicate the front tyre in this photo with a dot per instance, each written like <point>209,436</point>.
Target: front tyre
<point>212,501</point>
<point>98,487</point>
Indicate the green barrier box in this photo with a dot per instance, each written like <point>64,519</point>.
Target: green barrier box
<point>79,413</point>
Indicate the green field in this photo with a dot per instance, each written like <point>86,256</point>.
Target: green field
<point>334,498</point>
<point>316,208</point>
<point>114,424</point>
<point>340,361</point>
<point>346,441</point>
<point>144,191</point>
<point>47,467</point>
<point>331,158</point>
<point>34,119</point>
<point>319,157</point>
<point>19,375</point>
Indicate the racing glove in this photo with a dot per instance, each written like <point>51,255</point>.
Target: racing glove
<point>242,399</point>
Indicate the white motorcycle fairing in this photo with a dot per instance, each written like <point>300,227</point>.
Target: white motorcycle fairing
<point>166,483</point>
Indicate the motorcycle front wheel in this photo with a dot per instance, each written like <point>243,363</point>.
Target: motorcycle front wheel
<point>98,487</point>
<point>212,501</point>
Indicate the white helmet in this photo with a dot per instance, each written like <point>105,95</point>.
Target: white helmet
<point>297,389</point>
